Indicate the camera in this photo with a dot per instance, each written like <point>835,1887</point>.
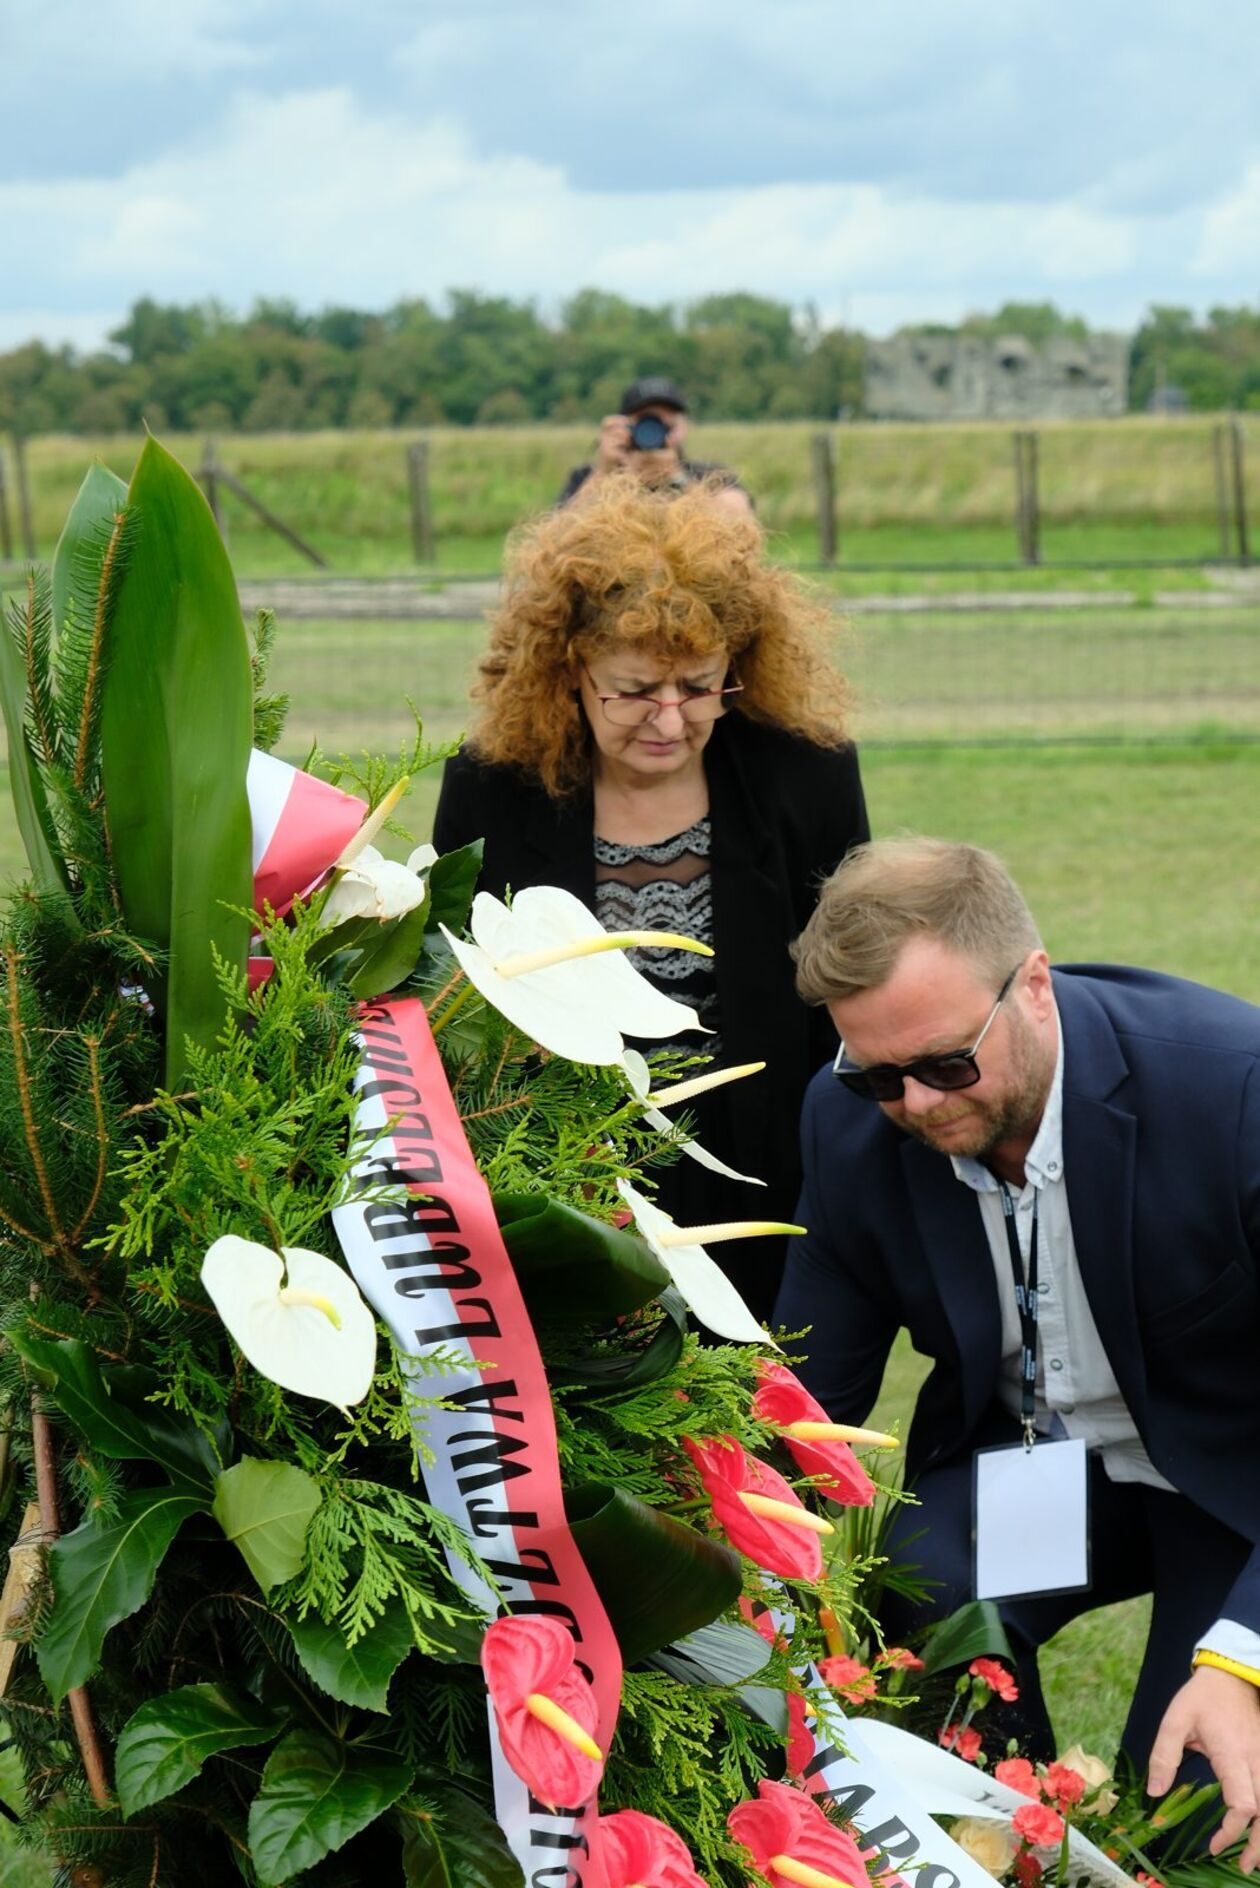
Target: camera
<point>649,433</point>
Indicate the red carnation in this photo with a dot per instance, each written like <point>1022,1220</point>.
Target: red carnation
<point>853,1680</point>
<point>1027,1870</point>
<point>1065,1785</point>
<point>1038,1824</point>
<point>782,1399</point>
<point>996,1677</point>
<point>638,1848</point>
<point>531,1676</point>
<point>966,1744</point>
<point>785,1827</point>
<point>780,1545</point>
<point>899,1658</point>
<point>1018,1774</point>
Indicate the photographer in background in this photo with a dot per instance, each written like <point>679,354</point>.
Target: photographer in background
<point>645,438</point>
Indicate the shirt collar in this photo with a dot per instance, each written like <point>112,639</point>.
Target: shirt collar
<point>1043,1164</point>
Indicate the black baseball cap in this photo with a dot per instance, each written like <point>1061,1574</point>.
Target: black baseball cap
<point>653,390</point>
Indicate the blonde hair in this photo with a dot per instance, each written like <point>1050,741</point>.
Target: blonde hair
<point>886,892</point>
<point>667,572</point>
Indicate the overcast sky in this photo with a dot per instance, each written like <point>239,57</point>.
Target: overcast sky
<point>892,161</point>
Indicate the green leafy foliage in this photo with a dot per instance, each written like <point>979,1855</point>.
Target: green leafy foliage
<point>574,1269</point>
<point>974,1631</point>
<point>101,1573</point>
<point>168,1740</point>
<point>452,882</point>
<point>658,1580</point>
<point>316,1793</point>
<point>357,1674</point>
<point>174,774</point>
<point>450,1842</point>
<point>265,1508</point>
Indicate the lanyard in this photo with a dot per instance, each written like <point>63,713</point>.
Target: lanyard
<point>1027,1303</point>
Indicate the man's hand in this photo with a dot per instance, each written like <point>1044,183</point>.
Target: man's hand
<point>1219,1715</point>
<point>613,451</point>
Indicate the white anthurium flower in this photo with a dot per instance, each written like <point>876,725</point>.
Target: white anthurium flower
<point>707,1289</point>
<point>639,1075</point>
<point>376,887</point>
<point>296,1316</point>
<point>549,966</point>
<point>373,823</point>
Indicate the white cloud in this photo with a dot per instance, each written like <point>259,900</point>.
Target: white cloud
<point>1231,230</point>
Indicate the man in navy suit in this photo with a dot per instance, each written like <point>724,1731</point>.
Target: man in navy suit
<point>1051,1179</point>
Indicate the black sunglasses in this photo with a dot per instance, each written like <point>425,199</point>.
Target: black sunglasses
<point>957,1068</point>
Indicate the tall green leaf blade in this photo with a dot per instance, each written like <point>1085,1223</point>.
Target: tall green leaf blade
<point>266,1508</point>
<point>101,1574</point>
<point>357,1674</point>
<point>452,1842</point>
<point>164,1744</point>
<point>574,1269</point>
<point>974,1631</point>
<point>73,1376</point>
<point>100,498</point>
<point>175,739</point>
<point>30,802</point>
<point>316,1793</point>
<point>658,1579</point>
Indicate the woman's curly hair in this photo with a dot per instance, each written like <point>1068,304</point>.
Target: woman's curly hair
<point>669,572</point>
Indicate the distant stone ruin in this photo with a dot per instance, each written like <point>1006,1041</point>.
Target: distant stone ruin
<point>964,377</point>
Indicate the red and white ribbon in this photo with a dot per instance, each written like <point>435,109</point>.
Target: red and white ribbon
<point>434,1268</point>
<point>300,825</point>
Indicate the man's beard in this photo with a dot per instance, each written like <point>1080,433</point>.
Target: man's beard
<point>989,1123</point>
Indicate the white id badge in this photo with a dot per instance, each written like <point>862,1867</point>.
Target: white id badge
<point>1031,1520</point>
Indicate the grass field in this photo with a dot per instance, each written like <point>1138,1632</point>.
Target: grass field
<point>1113,490</point>
<point>1143,853</point>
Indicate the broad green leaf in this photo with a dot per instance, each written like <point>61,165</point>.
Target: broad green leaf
<point>390,957</point>
<point>164,1744</point>
<point>974,1631</point>
<point>449,1840</point>
<point>100,498</point>
<point>176,728</point>
<point>356,1674</point>
<point>101,1574</point>
<point>657,1578</point>
<point>452,882</point>
<point>723,1653</point>
<point>573,1269</point>
<point>266,1508</point>
<point>71,1373</point>
<point>30,802</point>
<point>316,1793</point>
<point>630,1366</point>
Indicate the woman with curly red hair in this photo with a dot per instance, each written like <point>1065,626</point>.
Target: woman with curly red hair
<point>662,733</point>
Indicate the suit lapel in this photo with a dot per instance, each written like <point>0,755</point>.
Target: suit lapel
<point>1099,1163</point>
<point>951,1231</point>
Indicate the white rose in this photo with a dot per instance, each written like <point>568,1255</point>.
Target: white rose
<point>1098,1800</point>
<point>987,1842</point>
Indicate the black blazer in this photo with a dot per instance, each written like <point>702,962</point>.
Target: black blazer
<point>784,812</point>
<point>1161,1139</point>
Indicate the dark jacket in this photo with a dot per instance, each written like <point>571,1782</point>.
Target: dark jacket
<point>1161,1139</point>
<point>783,814</point>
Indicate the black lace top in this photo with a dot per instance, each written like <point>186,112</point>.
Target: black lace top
<point>665,887</point>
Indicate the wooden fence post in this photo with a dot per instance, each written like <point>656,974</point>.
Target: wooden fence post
<point>1224,522</point>
<point>825,495</point>
<point>1032,498</point>
<point>422,546</point>
<point>269,518</point>
<point>6,533</point>
<point>1240,489</point>
<point>24,497</point>
<point>1021,508</point>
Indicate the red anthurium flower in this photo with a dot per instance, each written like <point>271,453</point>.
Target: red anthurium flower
<point>1018,1774</point>
<point>850,1678</point>
<point>996,1677</point>
<point>800,1744</point>
<point>1065,1785</point>
<point>965,1743</point>
<point>639,1849</point>
<point>792,1842</point>
<point>783,1400</point>
<point>761,1619</point>
<point>899,1658</point>
<point>758,1511</point>
<point>545,1709</point>
<point>1038,1824</point>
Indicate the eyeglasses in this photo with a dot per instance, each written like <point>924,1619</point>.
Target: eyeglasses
<point>957,1068</point>
<point>632,711</point>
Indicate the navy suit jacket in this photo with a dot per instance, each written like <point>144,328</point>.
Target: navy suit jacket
<point>1161,1139</point>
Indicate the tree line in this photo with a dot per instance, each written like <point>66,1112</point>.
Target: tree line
<point>489,360</point>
